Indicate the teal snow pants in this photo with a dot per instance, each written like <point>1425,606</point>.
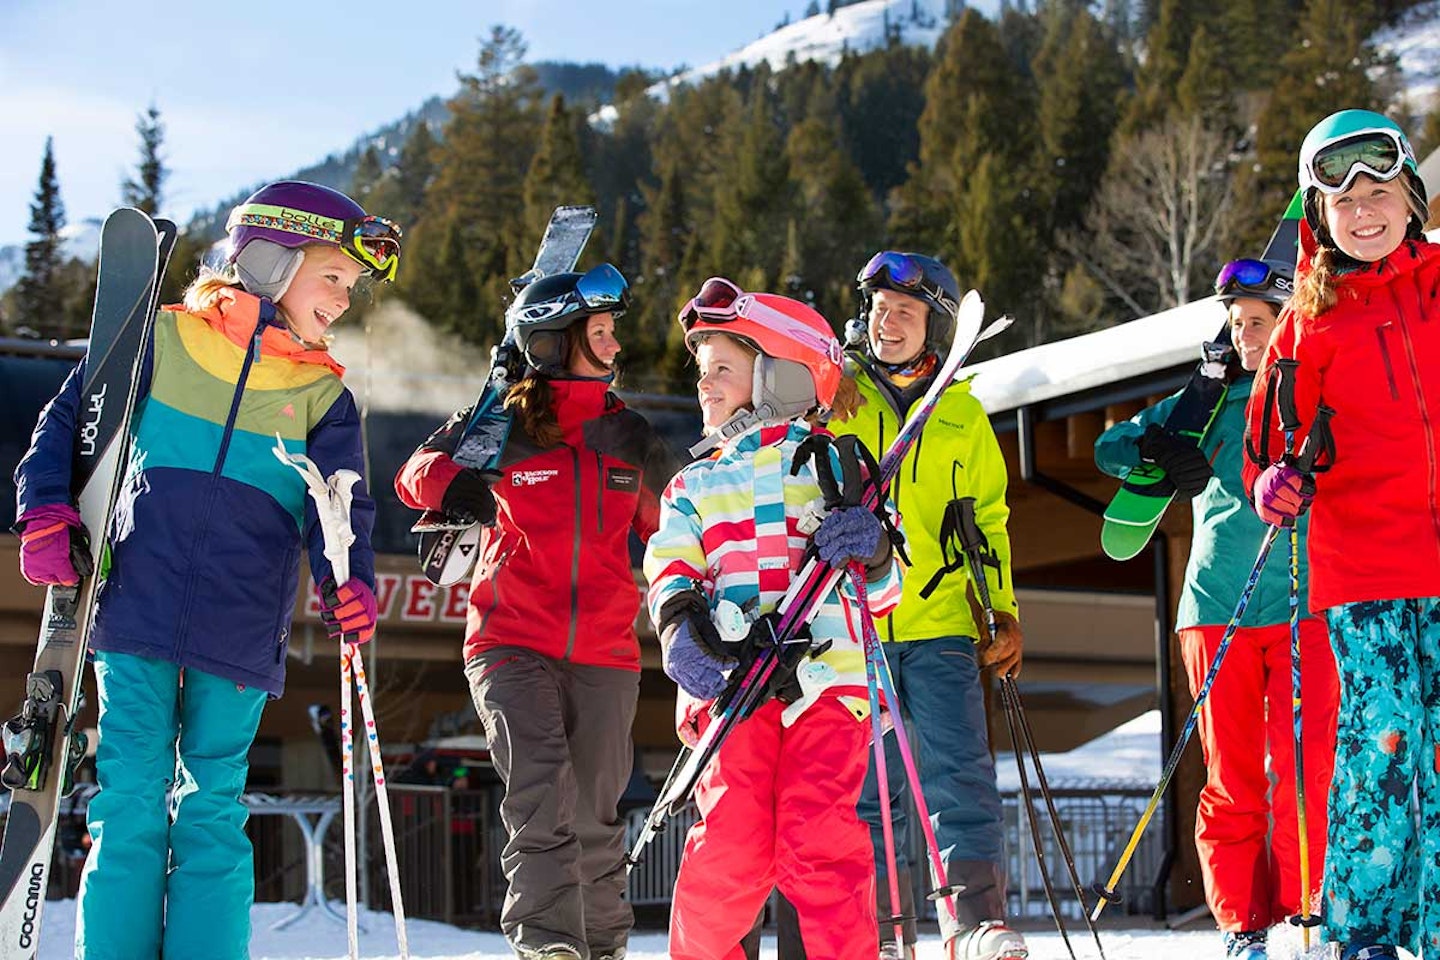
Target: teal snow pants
<point>177,881</point>
<point>1382,866</point>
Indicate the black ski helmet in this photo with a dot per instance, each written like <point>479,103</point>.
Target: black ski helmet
<point>916,275</point>
<point>1270,280</point>
<point>546,308</point>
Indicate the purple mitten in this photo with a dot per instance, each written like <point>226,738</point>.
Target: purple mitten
<point>691,663</point>
<point>1282,494</point>
<point>54,548</point>
<point>847,535</point>
<point>349,611</point>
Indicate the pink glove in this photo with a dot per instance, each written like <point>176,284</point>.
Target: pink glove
<point>348,611</point>
<point>54,547</point>
<point>1282,494</point>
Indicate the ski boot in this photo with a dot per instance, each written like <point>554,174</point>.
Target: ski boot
<point>991,940</point>
<point>551,951</point>
<point>1372,952</point>
<point>890,950</point>
<point>618,953</point>
<point>1245,945</point>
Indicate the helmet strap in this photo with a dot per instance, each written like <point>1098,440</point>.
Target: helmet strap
<point>266,268</point>
<point>782,390</point>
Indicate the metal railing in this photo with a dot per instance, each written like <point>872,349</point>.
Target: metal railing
<point>449,842</point>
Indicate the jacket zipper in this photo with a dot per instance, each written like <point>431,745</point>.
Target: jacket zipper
<point>600,492</point>
<point>574,558</point>
<point>252,356</point>
<point>1385,356</point>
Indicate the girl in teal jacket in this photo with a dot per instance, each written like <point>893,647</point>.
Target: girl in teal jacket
<point>1251,871</point>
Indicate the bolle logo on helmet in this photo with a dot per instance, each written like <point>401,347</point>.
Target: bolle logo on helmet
<point>309,219</point>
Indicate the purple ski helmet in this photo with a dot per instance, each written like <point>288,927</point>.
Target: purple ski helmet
<point>269,228</point>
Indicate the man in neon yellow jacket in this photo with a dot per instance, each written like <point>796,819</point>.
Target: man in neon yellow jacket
<point>931,639</point>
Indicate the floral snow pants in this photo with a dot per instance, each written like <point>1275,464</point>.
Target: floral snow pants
<point>1382,876</point>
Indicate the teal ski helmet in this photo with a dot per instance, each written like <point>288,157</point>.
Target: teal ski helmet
<point>1346,144</point>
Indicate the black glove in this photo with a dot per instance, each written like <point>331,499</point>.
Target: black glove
<point>1183,463</point>
<point>468,499</point>
<point>782,684</point>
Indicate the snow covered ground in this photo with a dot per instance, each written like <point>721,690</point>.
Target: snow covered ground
<point>318,937</point>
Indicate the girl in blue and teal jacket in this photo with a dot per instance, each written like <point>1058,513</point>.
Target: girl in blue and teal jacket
<point>1247,835</point>
<point>202,565</point>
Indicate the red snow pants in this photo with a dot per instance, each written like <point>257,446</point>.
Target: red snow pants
<point>1247,835</point>
<point>777,809</point>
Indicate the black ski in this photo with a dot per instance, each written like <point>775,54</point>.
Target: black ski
<point>447,547</point>
<point>41,744</point>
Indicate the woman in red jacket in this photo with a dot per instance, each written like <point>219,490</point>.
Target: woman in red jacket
<point>550,647</point>
<point>1364,330</point>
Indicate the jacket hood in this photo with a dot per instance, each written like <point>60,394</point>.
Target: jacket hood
<point>235,314</point>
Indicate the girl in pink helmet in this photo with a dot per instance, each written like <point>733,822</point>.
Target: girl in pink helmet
<point>777,801</point>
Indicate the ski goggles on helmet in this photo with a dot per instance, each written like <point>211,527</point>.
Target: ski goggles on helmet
<point>602,289</point>
<point>1379,153</point>
<point>372,242</point>
<point>715,301</point>
<point>1249,275</point>
<point>900,271</point>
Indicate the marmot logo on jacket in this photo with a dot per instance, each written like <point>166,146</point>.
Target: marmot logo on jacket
<point>532,478</point>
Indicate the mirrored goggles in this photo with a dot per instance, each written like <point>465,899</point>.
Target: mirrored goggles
<point>603,288</point>
<point>1379,153</point>
<point>373,242</point>
<point>901,270</point>
<point>1250,274</point>
<point>715,302</point>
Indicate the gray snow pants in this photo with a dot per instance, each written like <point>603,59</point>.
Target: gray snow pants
<point>559,737</point>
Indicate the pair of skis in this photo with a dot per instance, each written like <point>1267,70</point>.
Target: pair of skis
<point>447,546</point>
<point>814,582</point>
<point>42,745</point>
<point>1139,505</point>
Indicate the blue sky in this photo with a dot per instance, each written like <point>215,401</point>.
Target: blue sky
<point>254,90</point>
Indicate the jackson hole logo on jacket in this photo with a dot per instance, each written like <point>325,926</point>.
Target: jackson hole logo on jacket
<point>532,478</point>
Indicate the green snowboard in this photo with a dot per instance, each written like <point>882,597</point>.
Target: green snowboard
<point>1139,505</point>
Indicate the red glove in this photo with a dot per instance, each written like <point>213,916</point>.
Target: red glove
<point>54,548</point>
<point>1282,494</point>
<point>348,611</point>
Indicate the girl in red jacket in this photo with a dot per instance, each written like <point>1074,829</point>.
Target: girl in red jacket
<point>1364,329</point>
<point>550,646</point>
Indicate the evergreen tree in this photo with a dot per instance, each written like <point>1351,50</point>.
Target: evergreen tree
<point>557,173</point>
<point>366,178</point>
<point>1206,88</point>
<point>40,294</point>
<point>967,199</point>
<point>665,227</point>
<point>144,192</point>
<point>881,95</point>
<point>1167,50</point>
<point>1079,74</point>
<point>1254,34</point>
<point>474,208</point>
<point>1328,69</point>
<point>414,170</point>
<point>837,224</point>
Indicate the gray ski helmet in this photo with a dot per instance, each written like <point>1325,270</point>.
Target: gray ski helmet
<point>546,308</point>
<point>919,276</point>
